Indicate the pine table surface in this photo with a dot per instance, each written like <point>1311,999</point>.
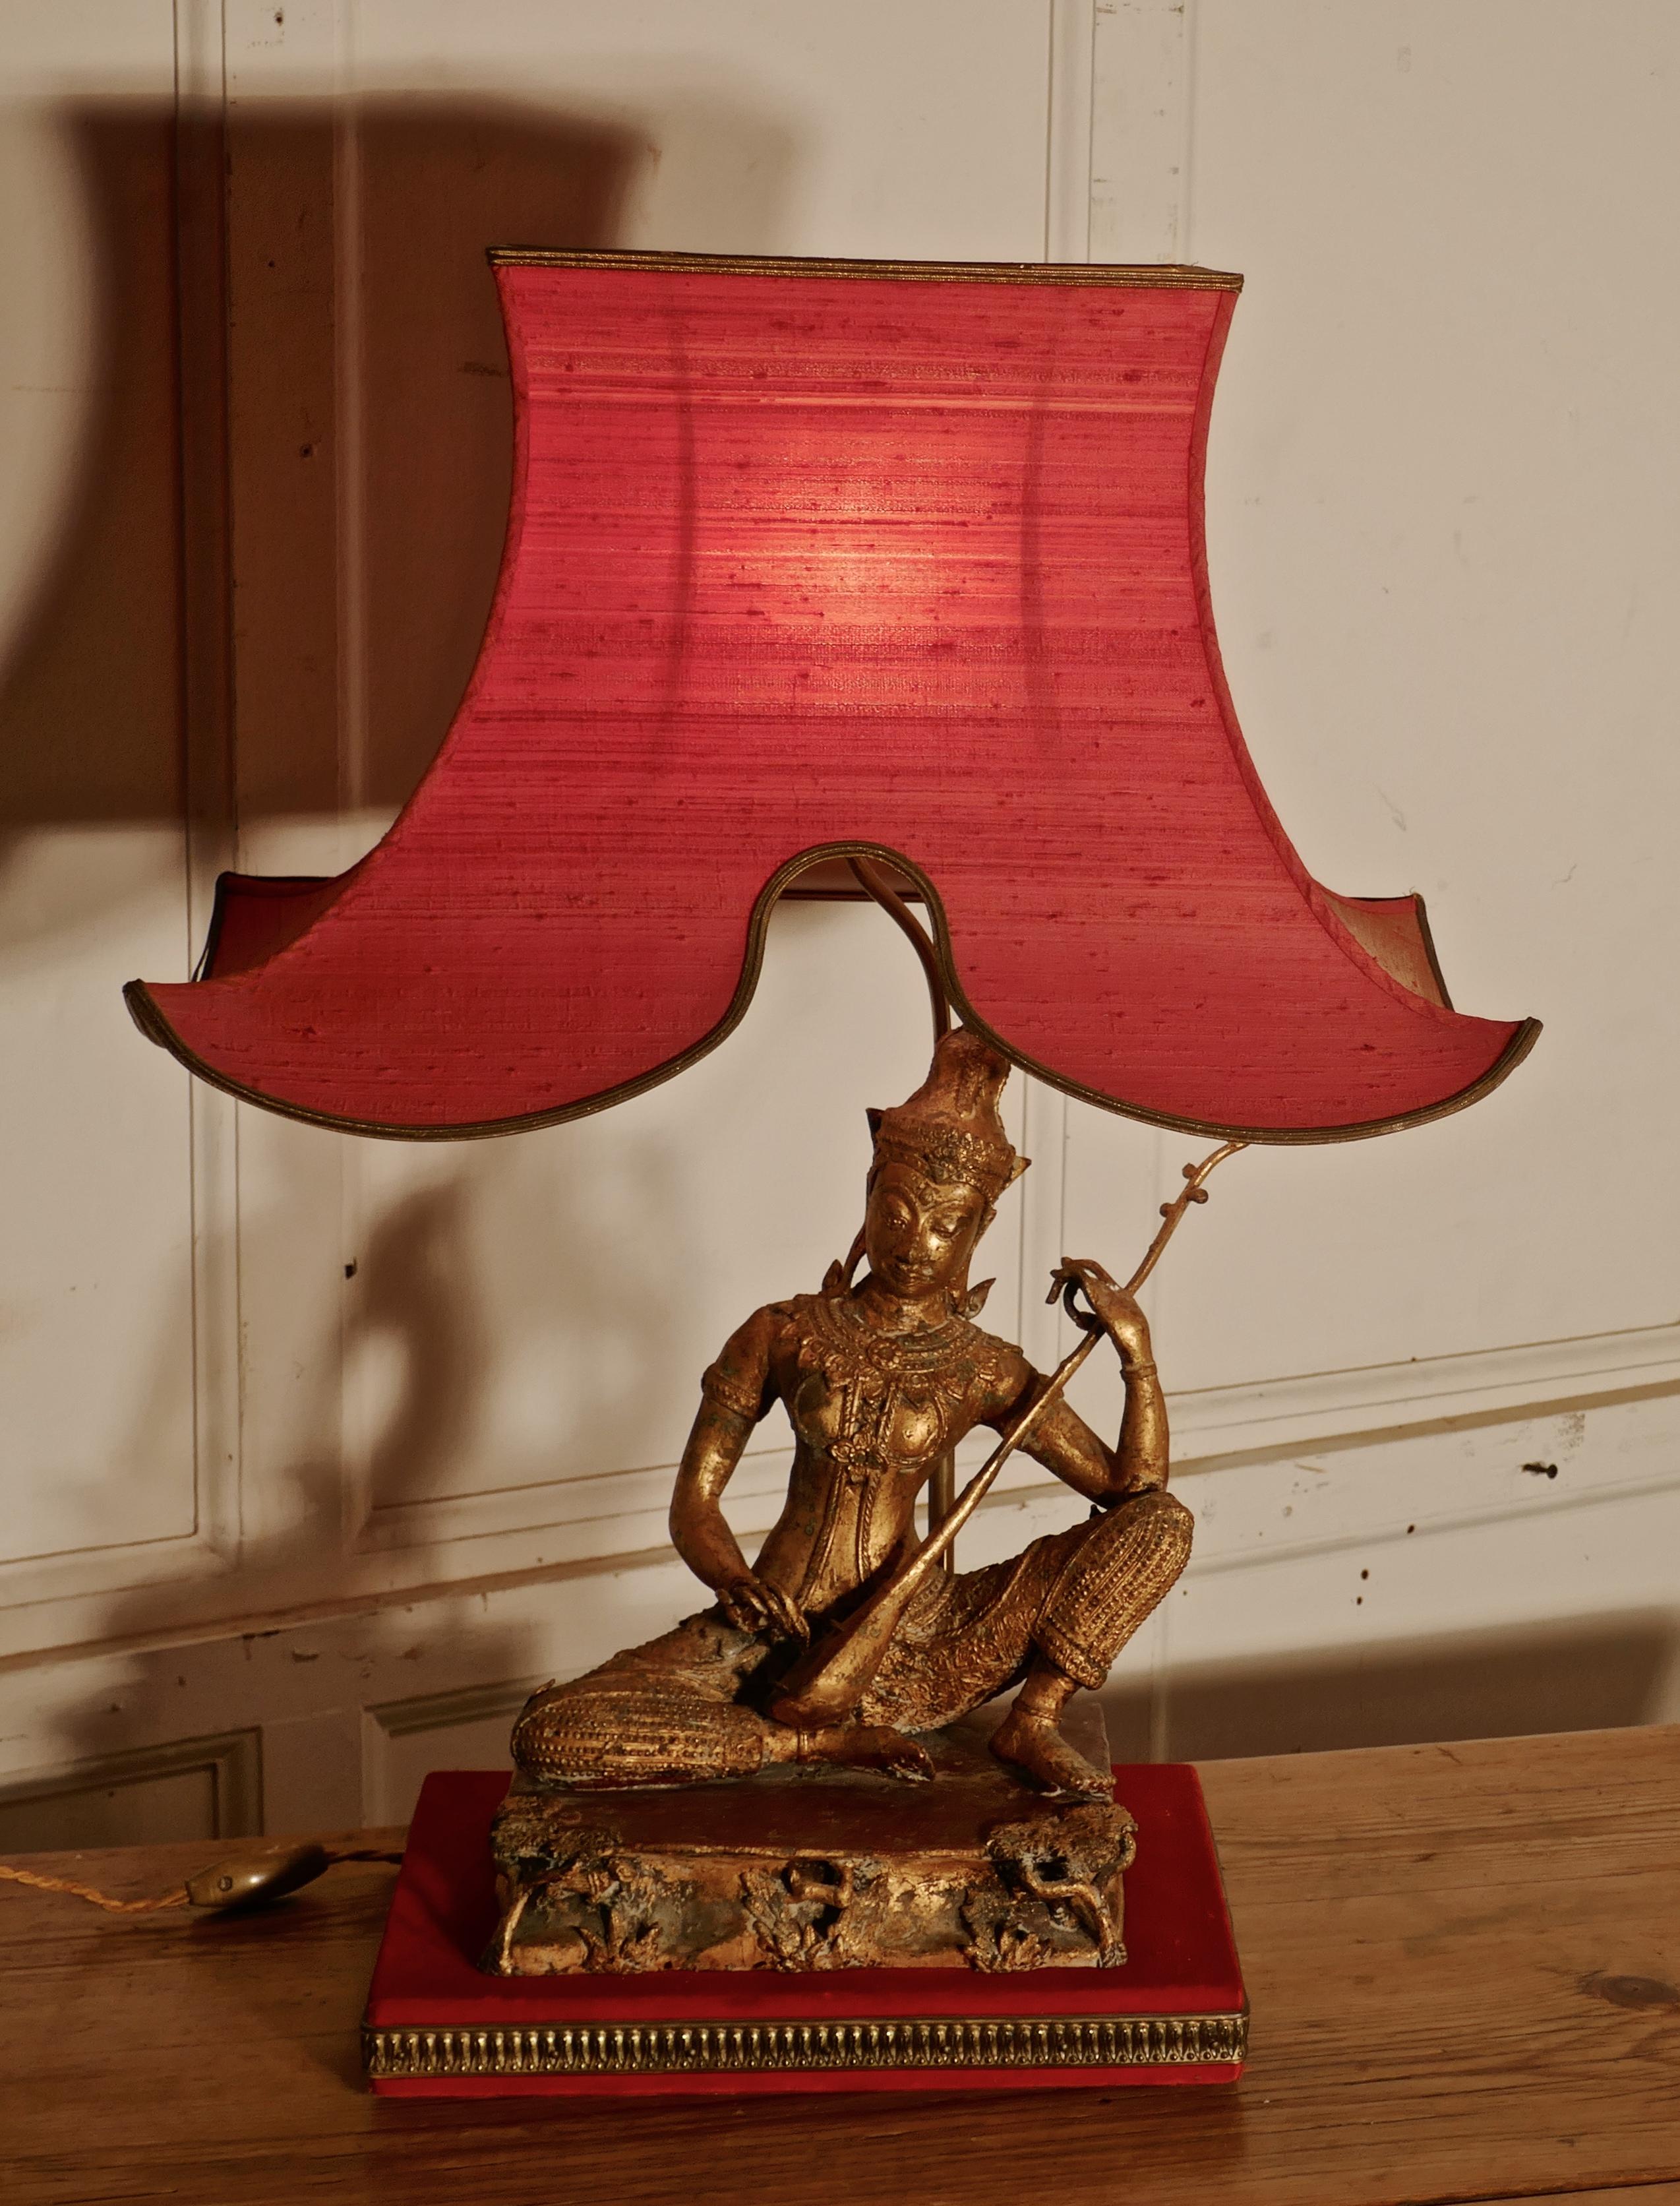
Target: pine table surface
<point>1462,1963</point>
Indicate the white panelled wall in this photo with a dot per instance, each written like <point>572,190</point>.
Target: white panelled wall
<point>318,1452</point>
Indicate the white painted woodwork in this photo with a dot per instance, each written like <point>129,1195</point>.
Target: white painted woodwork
<point>183,1788</point>
<point>339,1445</point>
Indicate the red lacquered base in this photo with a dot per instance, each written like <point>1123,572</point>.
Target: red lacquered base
<point>437,2028</point>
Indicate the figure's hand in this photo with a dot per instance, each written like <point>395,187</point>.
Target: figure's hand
<point>753,1604</point>
<point>1122,1320</point>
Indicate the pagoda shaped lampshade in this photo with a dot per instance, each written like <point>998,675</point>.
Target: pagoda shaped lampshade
<point>812,560</point>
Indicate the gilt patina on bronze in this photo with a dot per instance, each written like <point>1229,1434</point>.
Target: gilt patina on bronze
<point>845,1656</point>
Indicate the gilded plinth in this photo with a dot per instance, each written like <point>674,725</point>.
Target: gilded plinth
<point>805,1868</point>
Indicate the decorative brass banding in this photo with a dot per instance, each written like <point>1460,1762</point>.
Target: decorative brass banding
<point>660,2048</point>
<point>1173,276</point>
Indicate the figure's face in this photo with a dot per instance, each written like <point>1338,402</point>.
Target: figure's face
<point>919,1236</point>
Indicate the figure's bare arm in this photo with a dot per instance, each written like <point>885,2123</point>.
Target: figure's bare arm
<point>734,1395</point>
<point>697,1528</point>
<point>1064,1444</point>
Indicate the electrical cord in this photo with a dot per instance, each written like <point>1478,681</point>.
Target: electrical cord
<point>242,1882</point>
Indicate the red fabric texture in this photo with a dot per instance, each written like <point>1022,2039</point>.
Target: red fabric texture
<point>800,560</point>
<point>1180,1960</point>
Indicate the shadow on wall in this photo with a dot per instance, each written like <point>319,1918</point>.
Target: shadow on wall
<point>266,514</point>
<point>586,1280</point>
<point>531,1272</point>
<point>270,414</point>
<point>1570,1676</point>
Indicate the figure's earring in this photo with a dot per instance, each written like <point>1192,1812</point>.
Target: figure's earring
<point>837,1280</point>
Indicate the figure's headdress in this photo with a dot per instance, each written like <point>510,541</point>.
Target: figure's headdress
<point>951,1130</point>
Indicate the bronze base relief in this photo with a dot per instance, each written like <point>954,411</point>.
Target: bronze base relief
<point>806,1867</point>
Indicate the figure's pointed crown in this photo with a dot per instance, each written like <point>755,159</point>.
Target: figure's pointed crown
<point>951,1129</point>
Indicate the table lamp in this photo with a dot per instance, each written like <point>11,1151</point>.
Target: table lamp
<point>895,572</point>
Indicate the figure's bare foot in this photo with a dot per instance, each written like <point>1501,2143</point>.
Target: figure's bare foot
<point>1031,1742</point>
<point>869,1746</point>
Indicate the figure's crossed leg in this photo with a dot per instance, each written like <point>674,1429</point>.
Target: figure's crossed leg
<point>1116,1578</point>
<point>674,1711</point>
<point>671,1713</point>
<point>1029,1739</point>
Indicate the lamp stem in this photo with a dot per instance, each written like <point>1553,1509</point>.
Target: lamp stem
<point>942,1480</point>
<point>874,883</point>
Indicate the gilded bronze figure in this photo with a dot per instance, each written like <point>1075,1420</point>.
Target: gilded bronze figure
<point>880,1379</point>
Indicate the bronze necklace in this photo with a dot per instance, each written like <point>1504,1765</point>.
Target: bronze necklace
<point>878,1375</point>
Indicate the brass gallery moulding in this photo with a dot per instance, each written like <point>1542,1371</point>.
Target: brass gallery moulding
<point>1136,2040</point>
<point>1173,276</point>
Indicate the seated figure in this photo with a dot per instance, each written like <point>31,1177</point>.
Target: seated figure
<point>880,1380</point>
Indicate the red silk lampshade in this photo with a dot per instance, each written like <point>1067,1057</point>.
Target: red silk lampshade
<point>812,558</point>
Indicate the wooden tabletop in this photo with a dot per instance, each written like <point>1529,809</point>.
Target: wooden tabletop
<point>1462,1962</point>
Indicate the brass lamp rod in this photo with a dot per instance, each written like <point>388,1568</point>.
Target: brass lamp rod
<point>942,1479</point>
<point>875,884</point>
